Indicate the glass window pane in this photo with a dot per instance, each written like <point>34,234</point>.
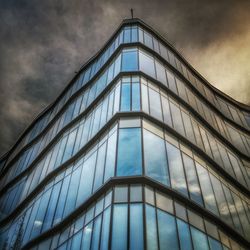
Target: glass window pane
<point>129,60</point>
<point>214,244</point>
<point>155,104</point>
<point>96,233</point>
<point>151,230</point>
<point>134,34</point>
<point>167,231</point>
<point>207,190</point>
<point>155,157</point>
<point>184,235</point>
<point>177,119</point>
<point>76,241</point>
<point>161,73</point>
<point>136,227</point>
<point>171,82</point>
<point>86,237</point>
<point>199,239</point>
<point>121,194</point>
<point>147,64</point>
<point>129,159</point>
<point>192,179</point>
<point>165,203</point>
<point>135,193</point>
<point>166,111</point>
<point>176,171</point>
<point>144,96</point>
<point>119,233</point>
<point>110,157</point>
<point>105,230</point>
<point>125,98</point>
<point>136,105</point>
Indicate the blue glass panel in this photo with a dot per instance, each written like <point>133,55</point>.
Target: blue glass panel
<point>151,230</point>
<point>134,35</point>
<point>76,241</point>
<point>167,231</point>
<point>129,159</point>
<point>155,104</point>
<point>136,227</point>
<point>214,244</point>
<point>199,239</point>
<point>100,166</point>
<point>155,157</point>
<point>127,35</point>
<point>51,206</point>
<point>136,104</point>
<point>176,170</point>
<point>110,158</point>
<point>96,233</point>
<point>105,230</point>
<point>86,237</point>
<point>72,192</point>
<point>129,60</point>
<point>87,177</point>
<point>184,235</point>
<point>119,233</point>
<point>207,190</point>
<point>61,201</point>
<point>192,179</point>
<point>126,97</point>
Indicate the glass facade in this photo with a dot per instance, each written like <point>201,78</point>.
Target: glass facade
<point>138,152</point>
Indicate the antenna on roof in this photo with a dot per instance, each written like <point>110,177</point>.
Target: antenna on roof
<point>132,13</point>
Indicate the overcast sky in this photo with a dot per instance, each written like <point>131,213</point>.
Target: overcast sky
<point>44,42</point>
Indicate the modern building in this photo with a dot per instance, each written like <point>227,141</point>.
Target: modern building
<point>138,152</point>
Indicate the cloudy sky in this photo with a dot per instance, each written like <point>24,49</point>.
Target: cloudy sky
<point>44,42</point>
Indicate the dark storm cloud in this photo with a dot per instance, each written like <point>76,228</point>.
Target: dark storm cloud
<point>44,42</point>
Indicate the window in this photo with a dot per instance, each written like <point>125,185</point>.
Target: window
<point>96,233</point>
<point>121,194</point>
<point>176,171</point>
<point>110,157</point>
<point>177,120</point>
<point>125,97</point>
<point>161,73</point>
<point>171,82</point>
<point>127,35</point>
<point>147,64</point>
<point>136,106</point>
<point>184,235</point>
<point>136,227</point>
<point>155,157</point>
<point>167,231</point>
<point>155,104</point>
<point>192,180</point>
<point>165,203</point>
<point>135,193</point>
<point>129,60</point>
<point>166,111</point>
<point>151,230</point>
<point>86,237</point>
<point>105,230</point>
<point>119,233</point>
<point>199,239</point>
<point>129,158</point>
<point>207,190</point>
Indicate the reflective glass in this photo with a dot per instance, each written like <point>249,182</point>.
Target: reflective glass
<point>119,233</point>
<point>136,105</point>
<point>96,233</point>
<point>155,157</point>
<point>184,235</point>
<point>136,227</point>
<point>155,104</point>
<point>129,60</point>
<point>147,64</point>
<point>86,237</point>
<point>167,231</point>
<point>176,171</point>
<point>192,180</point>
<point>129,158</point>
<point>105,230</point>
<point>151,229</point>
<point>125,97</point>
<point>199,239</point>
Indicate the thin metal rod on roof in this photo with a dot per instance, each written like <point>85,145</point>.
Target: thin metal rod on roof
<point>132,13</point>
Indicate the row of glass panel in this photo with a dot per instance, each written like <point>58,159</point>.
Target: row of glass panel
<point>154,68</point>
<point>81,81</point>
<point>130,34</point>
<point>227,109</point>
<point>129,63</point>
<point>130,100</point>
<point>63,149</point>
<point>167,164</point>
<point>78,106</point>
<point>137,217</point>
